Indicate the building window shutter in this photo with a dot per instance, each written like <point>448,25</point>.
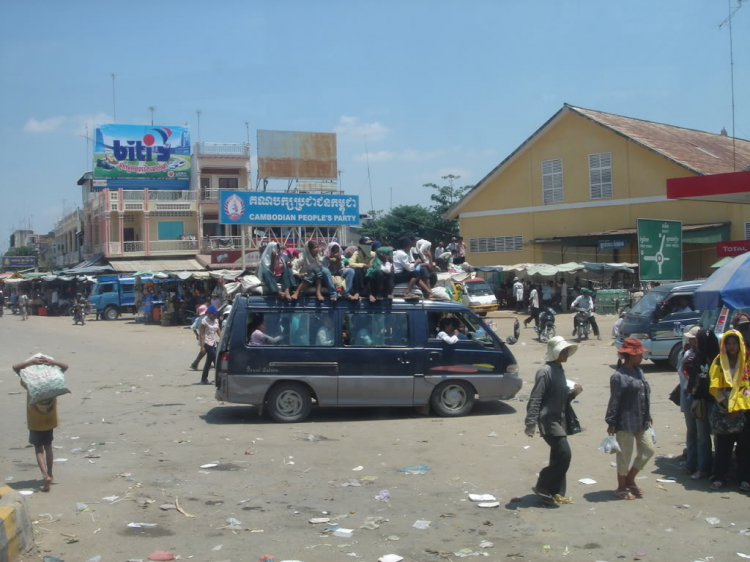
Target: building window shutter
<point>747,231</point>
<point>496,244</point>
<point>552,181</point>
<point>600,175</point>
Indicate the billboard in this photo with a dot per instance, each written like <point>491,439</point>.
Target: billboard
<point>293,154</point>
<point>733,248</point>
<point>659,250</point>
<point>141,152</point>
<point>287,209</point>
<point>19,261</point>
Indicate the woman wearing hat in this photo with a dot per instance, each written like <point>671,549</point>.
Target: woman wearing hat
<point>546,410</point>
<point>629,417</point>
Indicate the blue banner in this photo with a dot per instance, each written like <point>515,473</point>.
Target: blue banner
<point>19,261</point>
<point>287,209</point>
<point>612,244</point>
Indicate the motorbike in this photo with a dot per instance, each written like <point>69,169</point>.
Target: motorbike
<point>546,328</point>
<point>582,324</point>
<point>79,314</point>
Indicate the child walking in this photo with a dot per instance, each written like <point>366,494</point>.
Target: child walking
<point>42,420</point>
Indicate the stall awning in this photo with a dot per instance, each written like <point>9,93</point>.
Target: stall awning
<point>89,270</point>
<point>131,266</point>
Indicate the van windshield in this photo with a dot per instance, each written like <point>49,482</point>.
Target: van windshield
<point>478,289</point>
<point>647,304</point>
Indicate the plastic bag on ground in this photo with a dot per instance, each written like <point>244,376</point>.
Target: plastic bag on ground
<point>610,445</point>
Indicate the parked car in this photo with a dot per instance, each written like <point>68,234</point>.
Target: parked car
<point>659,319</point>
<point>353,355</point>
<point>477,295</point>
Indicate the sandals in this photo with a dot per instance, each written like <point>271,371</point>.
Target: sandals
<point>624,494</point>
<point>636,491</point>
<point>745,486</point>
<point>716,485</point>
<point>546,498</point>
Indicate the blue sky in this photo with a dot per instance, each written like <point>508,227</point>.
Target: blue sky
<point>437,87</point>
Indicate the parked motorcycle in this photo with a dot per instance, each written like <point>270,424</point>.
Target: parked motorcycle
<point>546,328</point>
<point>582,324</point>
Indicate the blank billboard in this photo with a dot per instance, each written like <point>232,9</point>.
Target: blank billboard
<point>296,155</point>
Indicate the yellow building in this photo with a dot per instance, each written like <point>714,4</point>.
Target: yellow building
<point>574,189</point>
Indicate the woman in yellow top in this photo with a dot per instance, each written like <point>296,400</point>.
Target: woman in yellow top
<point>42,420</point>
<point>730,417</point>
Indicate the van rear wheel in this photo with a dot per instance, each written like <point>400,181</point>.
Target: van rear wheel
<point>289,402</point>
<point>452,398</point>
<point>111,313</point>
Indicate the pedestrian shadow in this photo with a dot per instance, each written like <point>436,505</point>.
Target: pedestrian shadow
<point>527,502</point>
<point>601,496</point>
<point>232,415</point>
<point>670,468</point>
<point>25,484</point>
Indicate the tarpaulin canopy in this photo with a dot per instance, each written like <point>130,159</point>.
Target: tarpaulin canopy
<point>728,285</point>
<point>126,266</point>
<point>89,270</point>
<point>609,266</point>
<point>488,268</point>
<point>185,275</point>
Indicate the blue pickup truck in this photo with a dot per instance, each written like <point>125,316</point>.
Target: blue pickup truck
<point>112,295</point>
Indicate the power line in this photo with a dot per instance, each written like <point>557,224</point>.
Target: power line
<point>728,21</point>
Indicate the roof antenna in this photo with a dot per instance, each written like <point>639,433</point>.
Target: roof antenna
<point>731,72</point>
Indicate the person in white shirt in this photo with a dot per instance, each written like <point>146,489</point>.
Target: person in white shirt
<point>585,302</point>
<point>406,270</point>
<point>563,287</point>
<point>534,303</point>
<point>325,332</point>
<point>448,330</point>
<point>682,305</point>
<point>55,301</point>
<point>518,294</point>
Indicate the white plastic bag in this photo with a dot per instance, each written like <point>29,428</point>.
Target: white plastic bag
<point>610,445</point>
<point>43,381</point>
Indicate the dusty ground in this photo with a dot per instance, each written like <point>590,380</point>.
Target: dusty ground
<point>135,409</point>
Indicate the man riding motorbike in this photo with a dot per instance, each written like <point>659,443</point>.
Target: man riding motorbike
<point>585,303</point>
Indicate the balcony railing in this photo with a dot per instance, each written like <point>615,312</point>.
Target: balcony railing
<point>134,246</point>
<point>156,246</point>
<point>232,150</point>
<point>221,243</point>
<point>160,195</point>
<point>132,195</point>
<point>209,194</point>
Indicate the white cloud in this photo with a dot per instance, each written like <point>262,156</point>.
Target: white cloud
<point>349,126</point>
<point>81,121</point>
<point>50,125</point>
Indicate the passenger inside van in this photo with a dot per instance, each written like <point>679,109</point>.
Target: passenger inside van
<point>258,335</point>
<point>448,330</point>
<point>325,332</point>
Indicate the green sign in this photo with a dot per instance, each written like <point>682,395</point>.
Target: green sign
<point>660,250</point>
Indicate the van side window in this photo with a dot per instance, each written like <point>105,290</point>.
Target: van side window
<point>380,329</point>
<point>290,329</point>
<point>469,328</point>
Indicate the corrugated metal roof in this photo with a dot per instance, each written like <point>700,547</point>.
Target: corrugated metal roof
<point>699,151</point>
<point>129,266</point>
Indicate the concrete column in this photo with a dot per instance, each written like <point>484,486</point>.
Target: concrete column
<point>147,232</point>
<point>107,224</point>
<point>121,225</point>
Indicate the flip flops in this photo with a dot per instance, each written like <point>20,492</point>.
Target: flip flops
<point>624,494</point>
<point>546,498</point>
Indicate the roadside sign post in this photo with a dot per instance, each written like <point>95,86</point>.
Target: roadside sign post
<point>659,250</point>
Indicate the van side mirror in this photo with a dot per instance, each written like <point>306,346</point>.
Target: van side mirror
<point>510,340</point>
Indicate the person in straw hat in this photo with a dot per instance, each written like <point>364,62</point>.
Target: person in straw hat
<point>629,417</point>
<point>546,410</point>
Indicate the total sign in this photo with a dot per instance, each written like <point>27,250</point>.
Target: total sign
<point>660,250</point>
<point>141,151</point>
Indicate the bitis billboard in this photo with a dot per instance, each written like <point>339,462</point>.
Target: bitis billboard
<point>141,152</point>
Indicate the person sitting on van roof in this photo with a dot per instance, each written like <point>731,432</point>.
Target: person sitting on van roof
<point>407,270</point>
<point>380,274</point>
<point>448,330</point>
<point>258,335</point>
<point>274,269</point>
<point>311,270</point>
<point>333,265</point>
<point>359,261</point>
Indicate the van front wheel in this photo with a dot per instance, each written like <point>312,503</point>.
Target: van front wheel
<point>289,402</point>
<point>452,399</point>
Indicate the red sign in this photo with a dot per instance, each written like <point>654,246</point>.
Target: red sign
<point>731,249</point>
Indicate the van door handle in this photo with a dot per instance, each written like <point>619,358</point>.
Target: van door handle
<point>435,355</point>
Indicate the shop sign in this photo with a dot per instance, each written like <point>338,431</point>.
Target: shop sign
<point>141,152</point>
<point>19,261</point>
<point>659,250</point>
<point>612,244</point>
<point>732,248</point>
<point>288,209</point>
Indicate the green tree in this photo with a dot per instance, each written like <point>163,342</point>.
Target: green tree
<point>22,251</point>
<point>447,195</point>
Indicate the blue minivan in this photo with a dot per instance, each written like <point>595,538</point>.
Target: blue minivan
<point>288,357</point>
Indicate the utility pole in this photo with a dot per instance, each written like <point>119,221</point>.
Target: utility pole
<point>114,102</point>
<point>198,112</point>
<point>152,108</point>
<point>341,189</point>
<point>728,21</point>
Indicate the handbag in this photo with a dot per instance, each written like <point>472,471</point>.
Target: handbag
<point>572,425</point>
<point>698,408</point>
<point>674,396</point>
<point>720,422</point>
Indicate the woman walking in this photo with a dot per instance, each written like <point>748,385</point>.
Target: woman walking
<point>730,387</point>
<point>209,339</point>
<point>629,417</point>
<point>546,409</point>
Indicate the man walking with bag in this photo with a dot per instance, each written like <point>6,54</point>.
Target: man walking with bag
<point>546,410</point>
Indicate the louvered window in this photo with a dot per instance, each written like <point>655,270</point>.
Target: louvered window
<point>552,181</point>
<point>496,244</point>
<point>747,231</point>
<point>600,175</point>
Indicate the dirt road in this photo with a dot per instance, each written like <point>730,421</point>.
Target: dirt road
<point>137,429</point>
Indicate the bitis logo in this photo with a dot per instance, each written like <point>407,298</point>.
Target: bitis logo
<point>234,207</point>
<point>143,150</point>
